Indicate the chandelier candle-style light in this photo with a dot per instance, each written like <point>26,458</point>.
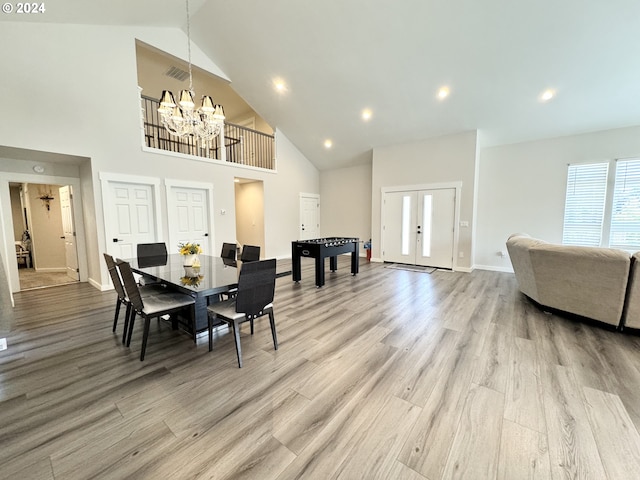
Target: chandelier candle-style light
<point>183,119</point>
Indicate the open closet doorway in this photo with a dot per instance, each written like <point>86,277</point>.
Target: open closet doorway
<point>250,212</point>
<point>44,234</point>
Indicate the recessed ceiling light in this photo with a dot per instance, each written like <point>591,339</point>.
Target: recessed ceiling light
<point>366,114</point>
<point>279,85</point>
<point>328,143</point>
<point>547,95</point>
<point>443,93</point>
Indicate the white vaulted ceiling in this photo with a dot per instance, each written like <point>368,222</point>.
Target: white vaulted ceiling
<point>338,57</point>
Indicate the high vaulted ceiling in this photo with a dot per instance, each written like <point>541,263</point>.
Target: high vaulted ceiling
<point>338,57</point>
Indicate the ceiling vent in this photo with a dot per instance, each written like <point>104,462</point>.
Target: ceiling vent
<point>177,73</point>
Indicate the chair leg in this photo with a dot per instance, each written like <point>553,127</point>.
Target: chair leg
<point>127,319</point>
<point>145,335</point>
<point>251,323</point>
<point>115,318</point>
<point>236,335</point>
<point>210,321</point>
<point>272,321</point>
<point>192,312</point>
<point>132,319</point>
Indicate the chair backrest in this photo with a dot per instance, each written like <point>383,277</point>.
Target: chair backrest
<point>256,286</point>
<point>229,251</point>
<point>250,253</point>
<point>130,285</point>
<point>152,254</point>
<point>115,276</point>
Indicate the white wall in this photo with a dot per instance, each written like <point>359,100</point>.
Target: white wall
<point>522,187</point>
<point>450,158</point>
<point>72,89</point>
<point>345,203</point>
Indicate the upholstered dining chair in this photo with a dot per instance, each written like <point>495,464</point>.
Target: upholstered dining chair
<point>256,287</point>
<point>153,306</point>
<point>250,253</point>
<point>122,299</point>
<point>23,254</point>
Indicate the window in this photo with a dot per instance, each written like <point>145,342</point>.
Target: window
<point>625,212</point>
<point>595,215</point>
<point>584,204</point>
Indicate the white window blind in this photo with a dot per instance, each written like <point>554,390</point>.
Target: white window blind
<point>584,204</point>
<point>625,213</point>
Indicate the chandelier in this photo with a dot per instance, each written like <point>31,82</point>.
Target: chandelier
<point>183,119</point>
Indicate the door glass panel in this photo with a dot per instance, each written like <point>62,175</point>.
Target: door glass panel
<point>406,223</point>
<point>427,214</point>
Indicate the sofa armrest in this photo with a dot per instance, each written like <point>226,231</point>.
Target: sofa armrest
<point>587,281</point>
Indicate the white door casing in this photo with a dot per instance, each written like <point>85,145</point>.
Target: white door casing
<point>6,221</point>
<point>309,216</point>
<point>190,207</point>
<point>68,229</point>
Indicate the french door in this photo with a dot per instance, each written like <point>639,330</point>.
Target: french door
<point>419,227</point>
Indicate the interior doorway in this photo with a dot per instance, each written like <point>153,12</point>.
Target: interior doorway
<point>44,234</point>
<point>250,213</point>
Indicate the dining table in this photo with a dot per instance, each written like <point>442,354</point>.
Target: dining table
<point>204,283</point>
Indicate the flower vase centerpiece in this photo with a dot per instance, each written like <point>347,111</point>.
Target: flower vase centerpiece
<point>190,252</point>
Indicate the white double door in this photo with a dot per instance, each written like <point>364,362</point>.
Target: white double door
<point>419,227</point>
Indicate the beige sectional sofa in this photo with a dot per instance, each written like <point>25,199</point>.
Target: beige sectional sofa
<point>599,283</point>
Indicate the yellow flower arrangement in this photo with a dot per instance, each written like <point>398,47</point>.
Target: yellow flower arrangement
<point>189,248</point>
<point>191,281</point>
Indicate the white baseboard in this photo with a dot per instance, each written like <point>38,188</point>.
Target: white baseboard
<point>99,286</point>
<point>463,269</point>
<point>51,270</point>
<point>492,268</point>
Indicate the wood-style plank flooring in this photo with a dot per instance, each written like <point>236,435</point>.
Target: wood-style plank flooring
<point>387,375</point>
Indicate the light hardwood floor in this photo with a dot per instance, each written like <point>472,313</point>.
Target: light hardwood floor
<point>387,375</point>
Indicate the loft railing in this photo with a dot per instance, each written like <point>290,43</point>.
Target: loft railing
<point>243,146</point>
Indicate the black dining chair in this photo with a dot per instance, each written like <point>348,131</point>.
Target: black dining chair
<point>228,256</point>
<point>152,254</point>
<point>256,288</point>
<point>229,251</point>
<point>153,306</point>
<point>123,299</point>
<point>250,253</point>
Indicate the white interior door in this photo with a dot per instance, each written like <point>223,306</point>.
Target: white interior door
<point>309,216</point>
<point>68,228</point>
<point>132,218</point>
<point>419,227</point>
<point>189,217</point>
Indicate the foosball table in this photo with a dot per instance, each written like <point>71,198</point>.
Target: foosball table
<point>321,248</point>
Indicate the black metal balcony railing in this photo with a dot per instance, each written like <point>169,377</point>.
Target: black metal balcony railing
<point>243,146</point>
